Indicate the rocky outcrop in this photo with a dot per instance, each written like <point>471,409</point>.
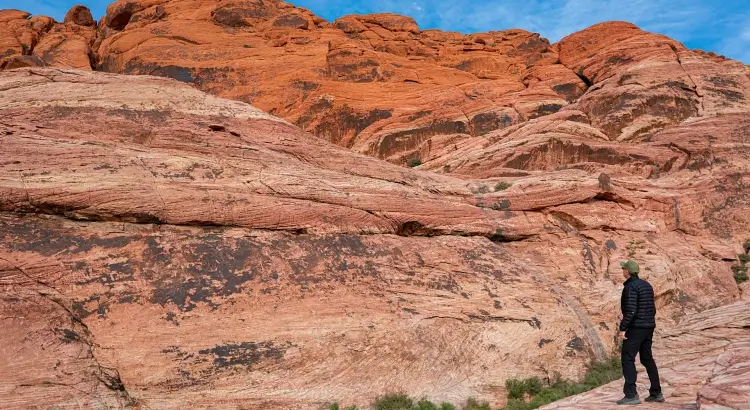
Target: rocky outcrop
<point>164,247</point>
<point>380,85</point>
<point>19,34</point>
<point>80,16</point>
<point>40,41</point>
<point>703,365</point>
<point>337,80</point>
<point>163,211</point>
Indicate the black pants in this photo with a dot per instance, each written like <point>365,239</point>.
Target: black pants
<point>639,341</point>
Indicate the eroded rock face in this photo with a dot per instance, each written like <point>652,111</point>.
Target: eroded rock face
<point>27,41</point>
<point>381,86</point>
<point>79,15</point>
<point>144,221</point>
<point>204,239</point>
<point>339,80</point>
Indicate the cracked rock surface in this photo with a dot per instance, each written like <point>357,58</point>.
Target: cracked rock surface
<point>164,248</point>
<point>163,244</point>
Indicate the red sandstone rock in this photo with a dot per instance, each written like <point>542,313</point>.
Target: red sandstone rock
<point>19,34</point>
<point>20,62</point>
<point>353,69</point>
<point>131,197</point>
<point>229,233</point>
<point>67,45</point>
<point>645,82</point>
<point>80,15</point>
<point>39,41</point>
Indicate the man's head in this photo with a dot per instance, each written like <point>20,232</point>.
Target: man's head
<point>629,268</point>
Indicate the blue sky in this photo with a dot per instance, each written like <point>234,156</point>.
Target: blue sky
<point>713,25</point>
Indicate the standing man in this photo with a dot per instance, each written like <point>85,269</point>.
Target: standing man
<point>637,327</point>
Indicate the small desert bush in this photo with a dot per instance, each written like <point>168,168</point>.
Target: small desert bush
<point>472,404</point>
<point>539,395</point>
<point>502,186</point>
<point>740,273</point>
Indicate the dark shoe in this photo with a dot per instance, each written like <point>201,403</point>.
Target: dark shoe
<point>629,400</point>
<point>659,398</point>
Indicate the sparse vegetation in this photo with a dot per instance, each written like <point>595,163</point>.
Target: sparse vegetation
<point>530,393</point>
<point>740,273</point>
<point>493,45</point>
<point>24,48</point>
<point>247,46</point>
<point>472,404</point>
<point>502,186</point>
<point>400,401</point>
<point>740,270</point>
<point>518,388</point>
<point>415,162</point>
<point>634,246</point>
<point>483,189</point>
<point>523,394</point>
<point>335,406</point>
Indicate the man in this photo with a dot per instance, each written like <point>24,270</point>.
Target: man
<point>637,327</point>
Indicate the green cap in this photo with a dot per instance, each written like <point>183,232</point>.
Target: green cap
<point>630,266</point>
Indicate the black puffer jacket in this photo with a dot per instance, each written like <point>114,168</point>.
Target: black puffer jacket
<point>637,305</point>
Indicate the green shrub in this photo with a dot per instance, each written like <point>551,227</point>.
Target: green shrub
<point>740,273</point>
<point>597,375</point>
<point>533,386</point>
<point>414,162</point>
<point>517,404</point>
<point>744,258</point>
<point>516,388</point>
<point>633,247</point>
<point>746,245</point>
<point>397,401</point>
<point>502,186</point>
<point>472,404</point>
<point>425,404</point>
<point>24,48</point>
<point>601,373</point>
<point>447,406</point>
<point>334,406</point>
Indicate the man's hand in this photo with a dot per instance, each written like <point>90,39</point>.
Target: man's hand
<point>623,335</point>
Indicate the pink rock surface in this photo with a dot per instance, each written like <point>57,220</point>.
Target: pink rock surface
<point>166,248</point>
<point>191,251</point>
